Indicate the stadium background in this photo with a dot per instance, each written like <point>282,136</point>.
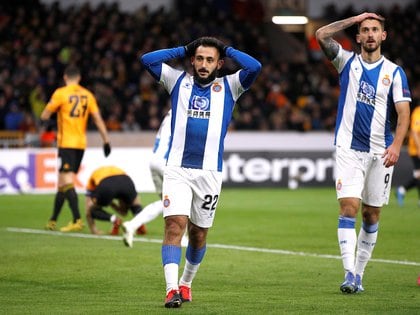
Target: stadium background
<point>292,103</point>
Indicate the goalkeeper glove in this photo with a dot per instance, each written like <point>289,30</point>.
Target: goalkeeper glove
<point>107,149</point>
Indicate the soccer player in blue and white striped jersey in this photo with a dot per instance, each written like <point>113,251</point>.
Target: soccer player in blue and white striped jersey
<point>366,149</point>
<point>202,106</point>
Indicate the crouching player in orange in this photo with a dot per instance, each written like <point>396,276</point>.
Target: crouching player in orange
<point>111,186</point>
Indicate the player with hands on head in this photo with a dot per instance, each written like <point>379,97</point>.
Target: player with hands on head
<point>366,150</point>
<point>202,106</point>
<point>73,104</point>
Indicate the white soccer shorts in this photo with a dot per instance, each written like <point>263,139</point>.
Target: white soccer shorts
<point>157,177</point>
<point>362,175</point>
<point>191,192</point>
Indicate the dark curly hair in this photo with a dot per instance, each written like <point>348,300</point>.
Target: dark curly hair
<point>208,41</point>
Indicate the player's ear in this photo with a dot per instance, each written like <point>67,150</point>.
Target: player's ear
<point>192,60</point>
<point>384,35</point>
<point>220,63</point>
<point>358,38</point>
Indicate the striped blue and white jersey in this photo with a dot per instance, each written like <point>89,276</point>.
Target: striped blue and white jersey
<point>200,114</point>
<point>162,141</point>
<point>367,93</point>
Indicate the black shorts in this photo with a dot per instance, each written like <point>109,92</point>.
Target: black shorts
<point>70,159</point>
<point>115,187</point>
<point>416,162</point>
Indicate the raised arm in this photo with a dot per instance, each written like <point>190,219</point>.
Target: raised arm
<point>250,66</point>
<point>153,60</point>
<point>324,35</point>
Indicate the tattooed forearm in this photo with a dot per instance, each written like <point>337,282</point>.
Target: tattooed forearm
<point>325,34</point>
<point>330,47</point>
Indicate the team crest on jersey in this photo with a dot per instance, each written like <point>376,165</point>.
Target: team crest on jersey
<point>200,103</point>
<point>166,201</point>
<point>366,93</point>
<point>386,80</point>
<point>216,87</point>
<point>200,107</point>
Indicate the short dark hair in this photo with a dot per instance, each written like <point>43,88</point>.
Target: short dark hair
<point>72,71</point>
<point>208,41</point>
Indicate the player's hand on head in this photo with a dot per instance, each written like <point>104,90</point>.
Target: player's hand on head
<point>223,47</point>
<point>107,149</point>
<point>191,47</point>
<point>367,15</point>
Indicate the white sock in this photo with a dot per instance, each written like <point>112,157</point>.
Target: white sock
<point>149,213</point>
<point>189,273</point>
<point>113,218</point>
<point>401,190</point>
<point>365,245</point>
<point>171,276</point>
<point>347,241</point>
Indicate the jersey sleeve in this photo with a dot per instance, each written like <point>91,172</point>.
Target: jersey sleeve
<point>93,104</point>
<point>169,77</point>
<point>341,59</point>
<point>55,101</point>
<point>250,66</point>
<point>235,85</point>
<point>400,88</point>
<point>154,60</point>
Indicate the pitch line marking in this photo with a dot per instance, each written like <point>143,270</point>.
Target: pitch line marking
<point>221,246</point>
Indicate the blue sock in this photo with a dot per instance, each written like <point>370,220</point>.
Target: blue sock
<point>195,256</point>
<point>370,228</point>
<point>346,222</point>
<point>171,254</point>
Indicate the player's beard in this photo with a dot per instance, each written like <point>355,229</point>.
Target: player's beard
<point>369,48</point>
<point>205,81</point>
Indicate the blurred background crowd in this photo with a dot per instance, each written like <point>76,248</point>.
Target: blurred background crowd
<point>38,40</point>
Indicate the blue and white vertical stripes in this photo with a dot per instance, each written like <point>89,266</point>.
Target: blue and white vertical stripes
<point>163,138</point>
<point>200,114</point>
<point>367,93</point>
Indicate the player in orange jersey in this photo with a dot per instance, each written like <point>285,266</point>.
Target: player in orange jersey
<point>111,186</point>
<point>414,153</point>
<point>73,105</point>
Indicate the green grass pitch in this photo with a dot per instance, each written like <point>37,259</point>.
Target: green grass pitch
<point>270,251</point>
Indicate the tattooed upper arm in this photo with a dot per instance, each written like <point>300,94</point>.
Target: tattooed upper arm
<point>330,47</point>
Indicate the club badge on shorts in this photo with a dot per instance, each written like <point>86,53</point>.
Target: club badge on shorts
<point>166,201</point>
<point>339,185</point>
